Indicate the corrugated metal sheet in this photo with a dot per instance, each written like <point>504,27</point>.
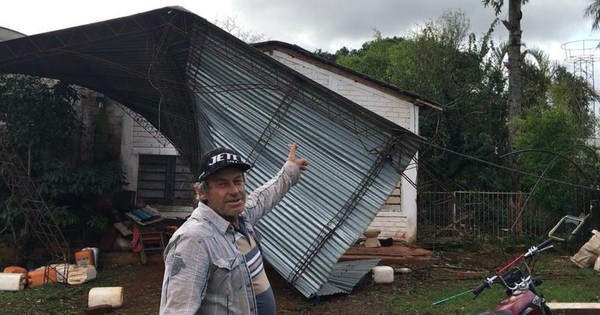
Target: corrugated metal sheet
<point>345,275</point>
<point>204,88</point>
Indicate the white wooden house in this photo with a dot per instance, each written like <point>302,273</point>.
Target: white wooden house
<point>145,154</point>
<point>398,217</point>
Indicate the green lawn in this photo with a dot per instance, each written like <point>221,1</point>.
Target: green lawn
<point>563,282</point>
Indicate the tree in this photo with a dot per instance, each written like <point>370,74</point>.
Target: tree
<point>515,80</point>
<point>593,11</point>
<point>31,111</point>
<point>230,25</point>
<point>373,58</point>
<point>442,61</point>
<point>551,145</point>
<point>40,125</point>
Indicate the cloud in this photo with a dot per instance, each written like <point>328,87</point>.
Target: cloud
<point>329,25</point>
<point>324,24</point>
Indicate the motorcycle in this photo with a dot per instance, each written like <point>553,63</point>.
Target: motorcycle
<point>523,296</point>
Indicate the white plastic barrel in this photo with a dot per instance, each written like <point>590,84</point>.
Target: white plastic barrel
<point>62,271</point>
<point>12,281</point>
<point>81,274</point>
<point>112,296</point>
<point>383,274</point>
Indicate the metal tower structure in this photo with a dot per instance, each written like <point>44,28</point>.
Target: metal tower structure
<point>583,54</point>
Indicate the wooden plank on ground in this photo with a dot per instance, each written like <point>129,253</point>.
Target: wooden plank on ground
<point>559,308</point>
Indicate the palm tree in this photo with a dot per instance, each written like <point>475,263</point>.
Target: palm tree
<point>593,11</point>
<point>515,84</point>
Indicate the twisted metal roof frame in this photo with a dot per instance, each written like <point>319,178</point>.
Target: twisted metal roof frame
<point>203,88</point>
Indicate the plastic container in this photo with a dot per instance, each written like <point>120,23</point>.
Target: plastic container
<point>15,269</point>
<point>84,258</point>
<point>96,252</point>
<point>12,281</point>
<point>38,276</point>
<point>383,274</point>
<point>112,296</point>
<point>81,274</point>
<point>63,271</point>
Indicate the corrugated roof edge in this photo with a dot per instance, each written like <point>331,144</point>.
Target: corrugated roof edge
<point>8,34</point>
<point>345,275</point>
<point>307,56</point>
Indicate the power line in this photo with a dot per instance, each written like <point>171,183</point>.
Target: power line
<point>506,167</point>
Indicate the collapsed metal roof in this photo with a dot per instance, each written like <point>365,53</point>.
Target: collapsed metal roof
<point>203,88</point>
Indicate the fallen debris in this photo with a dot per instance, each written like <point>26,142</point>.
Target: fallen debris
<point>589,252</point>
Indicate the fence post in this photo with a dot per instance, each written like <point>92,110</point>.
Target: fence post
<point>454,210</point>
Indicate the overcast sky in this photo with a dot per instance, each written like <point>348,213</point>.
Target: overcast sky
<point>324,24</point>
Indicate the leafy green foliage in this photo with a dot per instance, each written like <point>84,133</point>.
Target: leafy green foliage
<point>551,141</point>
<point>39,119</point>
<point>82,192</point>
<point>373,59</point>
<point>42,128</point>
<point>444,63</point>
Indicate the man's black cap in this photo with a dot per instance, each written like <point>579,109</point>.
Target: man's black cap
<point>218,159</point>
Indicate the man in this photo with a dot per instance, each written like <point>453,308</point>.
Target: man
<point>213,264</point>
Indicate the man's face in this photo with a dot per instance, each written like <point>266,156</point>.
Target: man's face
<point>225,193</point>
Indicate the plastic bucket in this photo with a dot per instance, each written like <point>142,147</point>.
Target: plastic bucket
<point>38,276</point>
<point>12,281</point>
<point>383,274</point>
<point>15,269</point>
<point>82,274</point>
<point>96,252</point>
<point>112,296</point>
<point>62,271</point>
<point>84,258</point>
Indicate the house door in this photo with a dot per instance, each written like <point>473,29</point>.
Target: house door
<point>164,180</point>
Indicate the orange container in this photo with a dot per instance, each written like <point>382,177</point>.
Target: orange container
<point>38,277</point>
<point>15,269</point>
<point>84,258</point>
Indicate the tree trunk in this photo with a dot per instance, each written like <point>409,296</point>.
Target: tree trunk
<point>515,84</point>
<point>515,81</point>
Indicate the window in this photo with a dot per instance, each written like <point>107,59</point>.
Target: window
<point>164,180</point>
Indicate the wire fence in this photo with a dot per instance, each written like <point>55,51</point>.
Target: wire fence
<point>488,215</point>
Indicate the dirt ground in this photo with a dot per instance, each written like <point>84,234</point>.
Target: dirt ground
<point>142,283</point>
<point>141,295</point>
<point>456,269</point>
<point>142,291</point>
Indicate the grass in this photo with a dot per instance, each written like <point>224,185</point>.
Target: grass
<point>563,282</point>
<point>54,298</point>
<point>420,302</point>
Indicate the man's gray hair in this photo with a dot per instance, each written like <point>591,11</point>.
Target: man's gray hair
<point>200,185</point>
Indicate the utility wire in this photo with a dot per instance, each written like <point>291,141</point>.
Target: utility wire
<point>505,167</point>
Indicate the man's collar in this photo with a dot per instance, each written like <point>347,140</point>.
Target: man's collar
<point>204,211</point>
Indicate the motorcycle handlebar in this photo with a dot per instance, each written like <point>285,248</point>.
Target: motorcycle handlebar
<point>531,252</point>
<point>476,291</point>
<point>544,244</point>
<point>487,283</point>
<point>536,249</point>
